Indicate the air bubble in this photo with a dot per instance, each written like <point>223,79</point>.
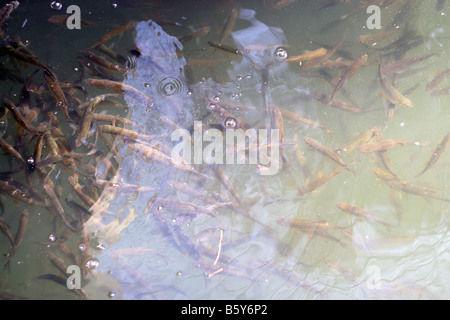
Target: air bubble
<point>92,264</point>
<point>52,237</point>
<point>56,5</point>
<point>114,5</point>
<point>230,123</point>
<point>280,54</point>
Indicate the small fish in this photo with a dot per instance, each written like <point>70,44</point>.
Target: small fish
<point>307,56</point>
<point>58,94</point>
<point>391,93</point>
<point>279,125</point>
<point>56,204</point>
<point>224,47</point>
<point>306,121</point>
<point>19,117</point>
<point>316,61</point>
<point>8,148</point>
<point>386,144</point>
<point>18,194</point>
<point>397,184</point>
<point>85,123</point>
<point>23,223</point>
<point>223,178</point>
<point>334,103</point>
<point>113,33</point>
<point>62,20</point>
<point>122,87</point>
<point>5,229</point>
<point>229,26</point>
<point>196,34</point>
<point>361,213</point>
<point>19,55</point>
<point>371,39</point>
<point>348,74</point>
<point>5,12</point>
<point>327,152</point>
<point>131,134</point>
<point>362,138</point>
<point>437,153</point>
<point>102,62</point>
<point>315,184</point>
<point>437,79</point>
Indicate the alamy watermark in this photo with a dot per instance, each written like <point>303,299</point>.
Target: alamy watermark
<point>235,146</point>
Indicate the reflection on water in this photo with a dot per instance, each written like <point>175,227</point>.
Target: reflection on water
<point>358,208</point>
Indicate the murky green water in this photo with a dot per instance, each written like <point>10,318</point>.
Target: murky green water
<point>142,246</point>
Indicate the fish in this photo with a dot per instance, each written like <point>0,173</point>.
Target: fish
<point>195,34</point>
<point>371,39</point>
<point>440,92</point>
<point>5,12</point>
<point>334,103</point>
<point>61,281</point>
<point>102,61</point>
<point>279,125</point>
<point>5,229</point>
<point>122,87</point>
<point>56,204</point>
<point>307,56</point>
<point>386,144</point>
<point>224,47</point>
<point>437,153</point>
<point>150,153</point>
<point>19,55</point>
<point>304,224</point>
<point>356,65</point>
<point>397,184</point>
<point>186,243</point>
<point>18,194</point>
<point>85,123</point>
<point>131,134</point>
<point>8,148</point>
<point>113,33</point>
<point>362,138</point>
<point>229,26</point>
<point>19,117</point>
<point>325,151</point>
<point>391,93</point>
<point>306,121</point>
<point>316,61</point>
<point>437,79</point>
<point>361,213</point>
<point>315,184</point>
<point>62,268</point>
<point>223,178</point>
<point>312,228</point>
<point>58,94</point>
<point>62,20</point>
<point>18,238</point>
<point>400,66</point>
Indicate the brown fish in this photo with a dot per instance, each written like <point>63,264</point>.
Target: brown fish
<point>315,184</point>
<point>307,56</point>
<point>437,153</point>
<point>196,34</point>
<point>391,93</point>
<point>326,152</point>
<point>437,79</point>
<point>386,144</point>
<point>114,33</point>
<point>229,26</point>
<point>102,61</point>
<point>62,20</point>
<point>225,48</point>
<point>348,74</point>
<point>361,213</point>
<point>58,94</point>
<point>5,229</point>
